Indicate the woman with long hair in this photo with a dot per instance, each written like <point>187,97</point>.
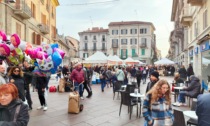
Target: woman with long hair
<point>16,77</point>
<point>157,109</point>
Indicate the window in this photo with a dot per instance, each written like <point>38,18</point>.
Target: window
<point>205,19</point>
<point>43,19</point>
<point>86,46</point>
<point>144,42</point>
<point>123,31</point>
<point>94,37</point>
<point>114,32</point>
<point>142,52</point>
<point>85,55</point>
<point>114,51</point>
<point>143,31</point>
<point>114,43</point>
<point>124,53</point>
<point>133,31</point>
<point>18,29</point>
<point>86,38</point>
<point>103,46</point>
<point>123,41</point>
<point>36,38</point>
<point>103,38</point>
<point>33,10</point>
<point>195,29</point>
<point>133,41</point>
<point>134,52</point>
<point>94,46</point>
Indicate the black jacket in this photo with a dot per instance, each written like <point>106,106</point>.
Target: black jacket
<point>40,81</point>
<point>150,85</point>
<point>20,84</point>
<point>7,114</point>
<point>193,90</point>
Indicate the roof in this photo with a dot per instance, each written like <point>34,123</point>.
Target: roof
<point>130,23</point>
<point>95,30</point>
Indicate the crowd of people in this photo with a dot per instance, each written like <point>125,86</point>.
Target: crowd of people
<point>157,105</point>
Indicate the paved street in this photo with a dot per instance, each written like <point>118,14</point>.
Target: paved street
<point>99,110</point>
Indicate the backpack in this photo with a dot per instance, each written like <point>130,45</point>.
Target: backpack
<point>144,72</point>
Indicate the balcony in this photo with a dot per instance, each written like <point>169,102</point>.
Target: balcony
<point>94,49</point>
<point>143,45</point>
<point>195,2</point>
<point>103,49</point>
<point>43,28</point>
<point>85,49</point>
<point>23,10</point>
<point>135,55</point>
<point>114,44</point>
<point>186,16</point>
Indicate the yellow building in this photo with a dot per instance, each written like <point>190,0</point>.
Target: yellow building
<point>33,20</point>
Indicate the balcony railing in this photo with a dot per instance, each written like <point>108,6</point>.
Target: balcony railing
<point>186,16</point>
<point>114,44</point>
<point>143,45</point>
<point>23,10</point>
<point>85,49</point>
<point>195,2</point>
<point>94,49</point>
<point>43,28</point>
<point>103,49</point>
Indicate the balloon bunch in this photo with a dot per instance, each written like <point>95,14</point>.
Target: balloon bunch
<point>47,56</point>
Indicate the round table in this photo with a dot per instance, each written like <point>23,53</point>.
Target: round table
<point>179,88</point>
<point>138,95</point>
<point>190,114</point>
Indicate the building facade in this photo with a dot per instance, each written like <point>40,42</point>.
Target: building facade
<point>189,41</point>
<point>133,39</point>
<point>92,40</point>
<point>33,20</point>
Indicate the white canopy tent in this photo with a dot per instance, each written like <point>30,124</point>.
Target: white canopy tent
<point>164,61</point>
<point>97,57</point>
<point>114,60</point>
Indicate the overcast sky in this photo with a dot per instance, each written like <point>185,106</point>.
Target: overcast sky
<point>74,16</point>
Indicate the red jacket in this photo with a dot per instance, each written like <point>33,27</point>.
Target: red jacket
<point>77,75</point>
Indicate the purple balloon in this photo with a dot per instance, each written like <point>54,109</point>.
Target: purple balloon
<point>61,52</point>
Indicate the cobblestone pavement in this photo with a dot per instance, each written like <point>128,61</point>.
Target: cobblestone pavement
<point>99,110</point>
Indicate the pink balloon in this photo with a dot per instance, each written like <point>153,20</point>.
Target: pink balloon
<point>61,52</point>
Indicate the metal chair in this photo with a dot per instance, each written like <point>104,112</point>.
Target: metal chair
<point>178,118</point>
<point>193,121</point>
<point>126,100</point>
<point>116,88</point>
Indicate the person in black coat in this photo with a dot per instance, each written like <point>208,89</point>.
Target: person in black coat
<point>41,83</point>
<point>183,73</point>
<point>28,79</point>
<point>193,90</point>
<point>154,78</point>
<point>13,112</point>
<point>16,77</point>
<point>190,71</point>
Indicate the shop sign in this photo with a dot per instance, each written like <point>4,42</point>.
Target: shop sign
<point>204,46</point>
<point>191,52</point>
<point>196,50</point>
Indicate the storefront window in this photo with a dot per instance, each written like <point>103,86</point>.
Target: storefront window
<point>206,67</point>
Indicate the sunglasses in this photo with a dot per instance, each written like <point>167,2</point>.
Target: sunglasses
<point>16,71</point>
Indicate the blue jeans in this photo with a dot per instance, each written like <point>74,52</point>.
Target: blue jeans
<point>181,97</point>
<point>78,87</point>
<point>103,84</point>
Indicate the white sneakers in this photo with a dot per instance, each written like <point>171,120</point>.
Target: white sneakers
<point>82,98</point>
<point>179,104</point>
<point>42,107</point>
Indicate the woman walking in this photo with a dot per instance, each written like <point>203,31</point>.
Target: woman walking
<point>157,109</point>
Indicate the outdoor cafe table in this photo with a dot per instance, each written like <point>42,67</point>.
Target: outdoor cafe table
<point>137,95</point>
<point>191,114</point>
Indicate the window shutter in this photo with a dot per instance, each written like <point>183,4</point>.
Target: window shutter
<point>33,38</point>
<point>38,39</point>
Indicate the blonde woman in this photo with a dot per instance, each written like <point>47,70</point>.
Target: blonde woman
<point>157,109</point>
